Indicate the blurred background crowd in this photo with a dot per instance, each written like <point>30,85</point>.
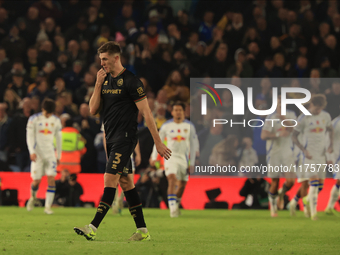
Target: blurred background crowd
<point>48,49</point>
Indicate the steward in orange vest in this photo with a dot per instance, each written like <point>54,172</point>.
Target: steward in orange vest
<point>73,147</point>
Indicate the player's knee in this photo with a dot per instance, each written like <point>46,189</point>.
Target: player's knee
<point>126,183</point>
<point>111,180</point>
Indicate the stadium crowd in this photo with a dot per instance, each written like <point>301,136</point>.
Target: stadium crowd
<point>48,49</point>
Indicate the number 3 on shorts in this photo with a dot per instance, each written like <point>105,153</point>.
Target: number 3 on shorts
<point>116,161</point>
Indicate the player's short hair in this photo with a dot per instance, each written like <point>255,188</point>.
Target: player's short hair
<point>319,100</point>
<point>48,105</point>
<point>179,103</point>
<point>110,48</point>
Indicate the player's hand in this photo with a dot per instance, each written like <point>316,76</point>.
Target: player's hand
<point>101,74</point>
<point>164,151</point>
<point>33,157</point>
<point>58,162</point>
<point>307,154</point>
<point>191,169</point>
<point>138,159</point>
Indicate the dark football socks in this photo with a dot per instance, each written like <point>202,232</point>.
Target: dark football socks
<point>135,207</point>
<point>104,205</point>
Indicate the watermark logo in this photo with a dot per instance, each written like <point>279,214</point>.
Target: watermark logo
<point>238,99</point>
<point>204,97</point>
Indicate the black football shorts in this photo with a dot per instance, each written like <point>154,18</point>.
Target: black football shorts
<point>119,160</point>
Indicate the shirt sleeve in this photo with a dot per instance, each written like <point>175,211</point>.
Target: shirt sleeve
<point>268,125</point>
<point>301,123</point>
<point>30,135</point>
<point>58,137</point>
<point>194,145</point>
<point>136,90</point>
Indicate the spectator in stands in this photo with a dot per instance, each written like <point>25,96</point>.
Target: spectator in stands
<point>101,153</point>
<point>225,152</point>
<point>81,92</point>
<point>14,44</point>
<point>46,52</point>
<point>241,67</point>
<point>73,78</point>
<point>300,69</point>
<point>217,67</point>
<point>269,69</point>
<point>88,129</point>
<point>42,91</point>
<point>175,87</point>
<point>5,123</point>
<point>12,100</point>
<point>35,103</point>
<point>17,136</point>
<point>47,8</point>
<point>79,31</point>
<point>333,99</point>
<point>62,188</point>
<point>326,70</point>
<point>75,191</point>
<point>18,84</point>
<point>207,140</point>
<point>32,64</point>
<point>63,63</point>
<point>206,27</point>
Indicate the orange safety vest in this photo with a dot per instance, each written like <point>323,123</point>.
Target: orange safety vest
<point>73,147</point>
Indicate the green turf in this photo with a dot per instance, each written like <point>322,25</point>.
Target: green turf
<point>195,232</point>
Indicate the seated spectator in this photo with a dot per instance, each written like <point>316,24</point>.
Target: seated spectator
<point>248,155</point>
<point>73,78</point>
<point>75,191</point>
<point>241,67</point>
<point>175,88</point>
<point>225,152</point>
<point>12,100</point>
<point>17,136</point>
<point>255,191</point>
<point>42,91</point>
<point>269,69</point>
<point>18,84</point>
<point>62,188</point>
<point>5,122</point>
<point>333,99</point>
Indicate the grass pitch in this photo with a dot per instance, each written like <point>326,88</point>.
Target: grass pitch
<point>195,232</point>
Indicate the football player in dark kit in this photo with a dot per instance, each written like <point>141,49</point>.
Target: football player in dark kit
<point>121,95</point>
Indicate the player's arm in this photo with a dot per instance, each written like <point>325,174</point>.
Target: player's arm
<point>58,140</point>
<point>162,135</point>
<point>331,137</point>
<point>143,107</point>
<point>267,135</point>
<point>299,145</point>
<point>95,101</point>
<point>267,131</point>
<point>30,138</point>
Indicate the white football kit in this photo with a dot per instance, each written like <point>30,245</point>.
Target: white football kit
<point>336,148</point>
<point>313,128</point>
<point>280,151</point>
<point>40,140</point>
<point>182,140</point>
